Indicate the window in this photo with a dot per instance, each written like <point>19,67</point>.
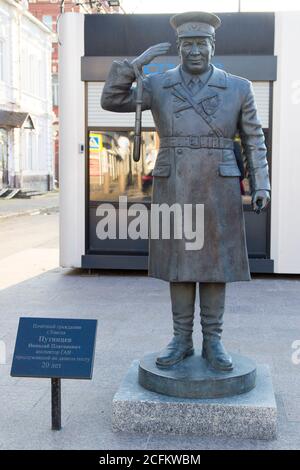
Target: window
<point>29,149</point>
<point>41,79</point>
<point>41,154</point>
<point>55,90</point>
<point>1,59</point>
<point>24,70</point>
<point>32,74</point>
<point>112,170</point>
<point>47,20</point>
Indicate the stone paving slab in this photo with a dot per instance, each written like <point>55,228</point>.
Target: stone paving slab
<point>134,318</point>
<point>36,204</point>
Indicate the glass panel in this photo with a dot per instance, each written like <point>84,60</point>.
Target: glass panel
<point>47,20</point>
<point>29,149</point>
<point>112,170</point>
<point>1,60</point>
<point>55,90</point>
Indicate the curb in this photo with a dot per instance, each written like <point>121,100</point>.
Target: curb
<point>28,212</point>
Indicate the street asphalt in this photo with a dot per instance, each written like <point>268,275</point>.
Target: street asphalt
<point>18,206</point>
<point>262,321</point>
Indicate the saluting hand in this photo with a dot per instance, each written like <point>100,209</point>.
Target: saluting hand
<point>150,54</point>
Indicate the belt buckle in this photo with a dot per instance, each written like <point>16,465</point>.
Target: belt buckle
<point>215,142</point>
<point>194,141</point>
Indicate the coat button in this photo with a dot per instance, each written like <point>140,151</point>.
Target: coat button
<point>177,115</point>
<point>179,151</point>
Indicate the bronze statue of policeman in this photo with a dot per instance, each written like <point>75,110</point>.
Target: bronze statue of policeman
<point>198,109</point>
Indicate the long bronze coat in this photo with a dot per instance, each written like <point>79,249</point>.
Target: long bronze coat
<point>190,170</point>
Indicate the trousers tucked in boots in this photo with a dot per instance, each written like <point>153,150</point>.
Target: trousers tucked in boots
<point>212,302</point>
<point>183,307</point>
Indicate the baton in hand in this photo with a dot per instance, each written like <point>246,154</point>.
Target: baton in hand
<point>138,115</point>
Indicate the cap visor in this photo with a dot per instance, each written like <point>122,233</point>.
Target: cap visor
<point>195,34</point>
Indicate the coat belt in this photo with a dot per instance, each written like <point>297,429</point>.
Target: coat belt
<point>197,141</point>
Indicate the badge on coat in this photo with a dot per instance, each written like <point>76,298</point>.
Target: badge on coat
<point>210,105</point>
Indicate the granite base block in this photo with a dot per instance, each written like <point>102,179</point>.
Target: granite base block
<point>251,415</point>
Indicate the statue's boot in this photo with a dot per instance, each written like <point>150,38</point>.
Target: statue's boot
<point>183,306</point>
<point>212,304</point>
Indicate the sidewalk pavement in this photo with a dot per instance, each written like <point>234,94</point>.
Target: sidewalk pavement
<point>18,206</point>
<point>262,321</point>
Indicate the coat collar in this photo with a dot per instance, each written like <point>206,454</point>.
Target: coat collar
<point>218,78</point>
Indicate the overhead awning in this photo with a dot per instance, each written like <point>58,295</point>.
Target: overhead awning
<point>10,119</point>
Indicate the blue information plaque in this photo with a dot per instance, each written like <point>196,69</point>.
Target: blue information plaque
<point>54,348</point>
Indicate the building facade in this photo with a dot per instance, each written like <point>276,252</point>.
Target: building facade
<point>26,142</point>
<point>49,11</point>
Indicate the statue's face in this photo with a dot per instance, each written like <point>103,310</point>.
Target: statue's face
<point>196,53</point>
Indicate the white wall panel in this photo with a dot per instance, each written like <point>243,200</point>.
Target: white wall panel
<point>285,213</point>
<point>71,135</point>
